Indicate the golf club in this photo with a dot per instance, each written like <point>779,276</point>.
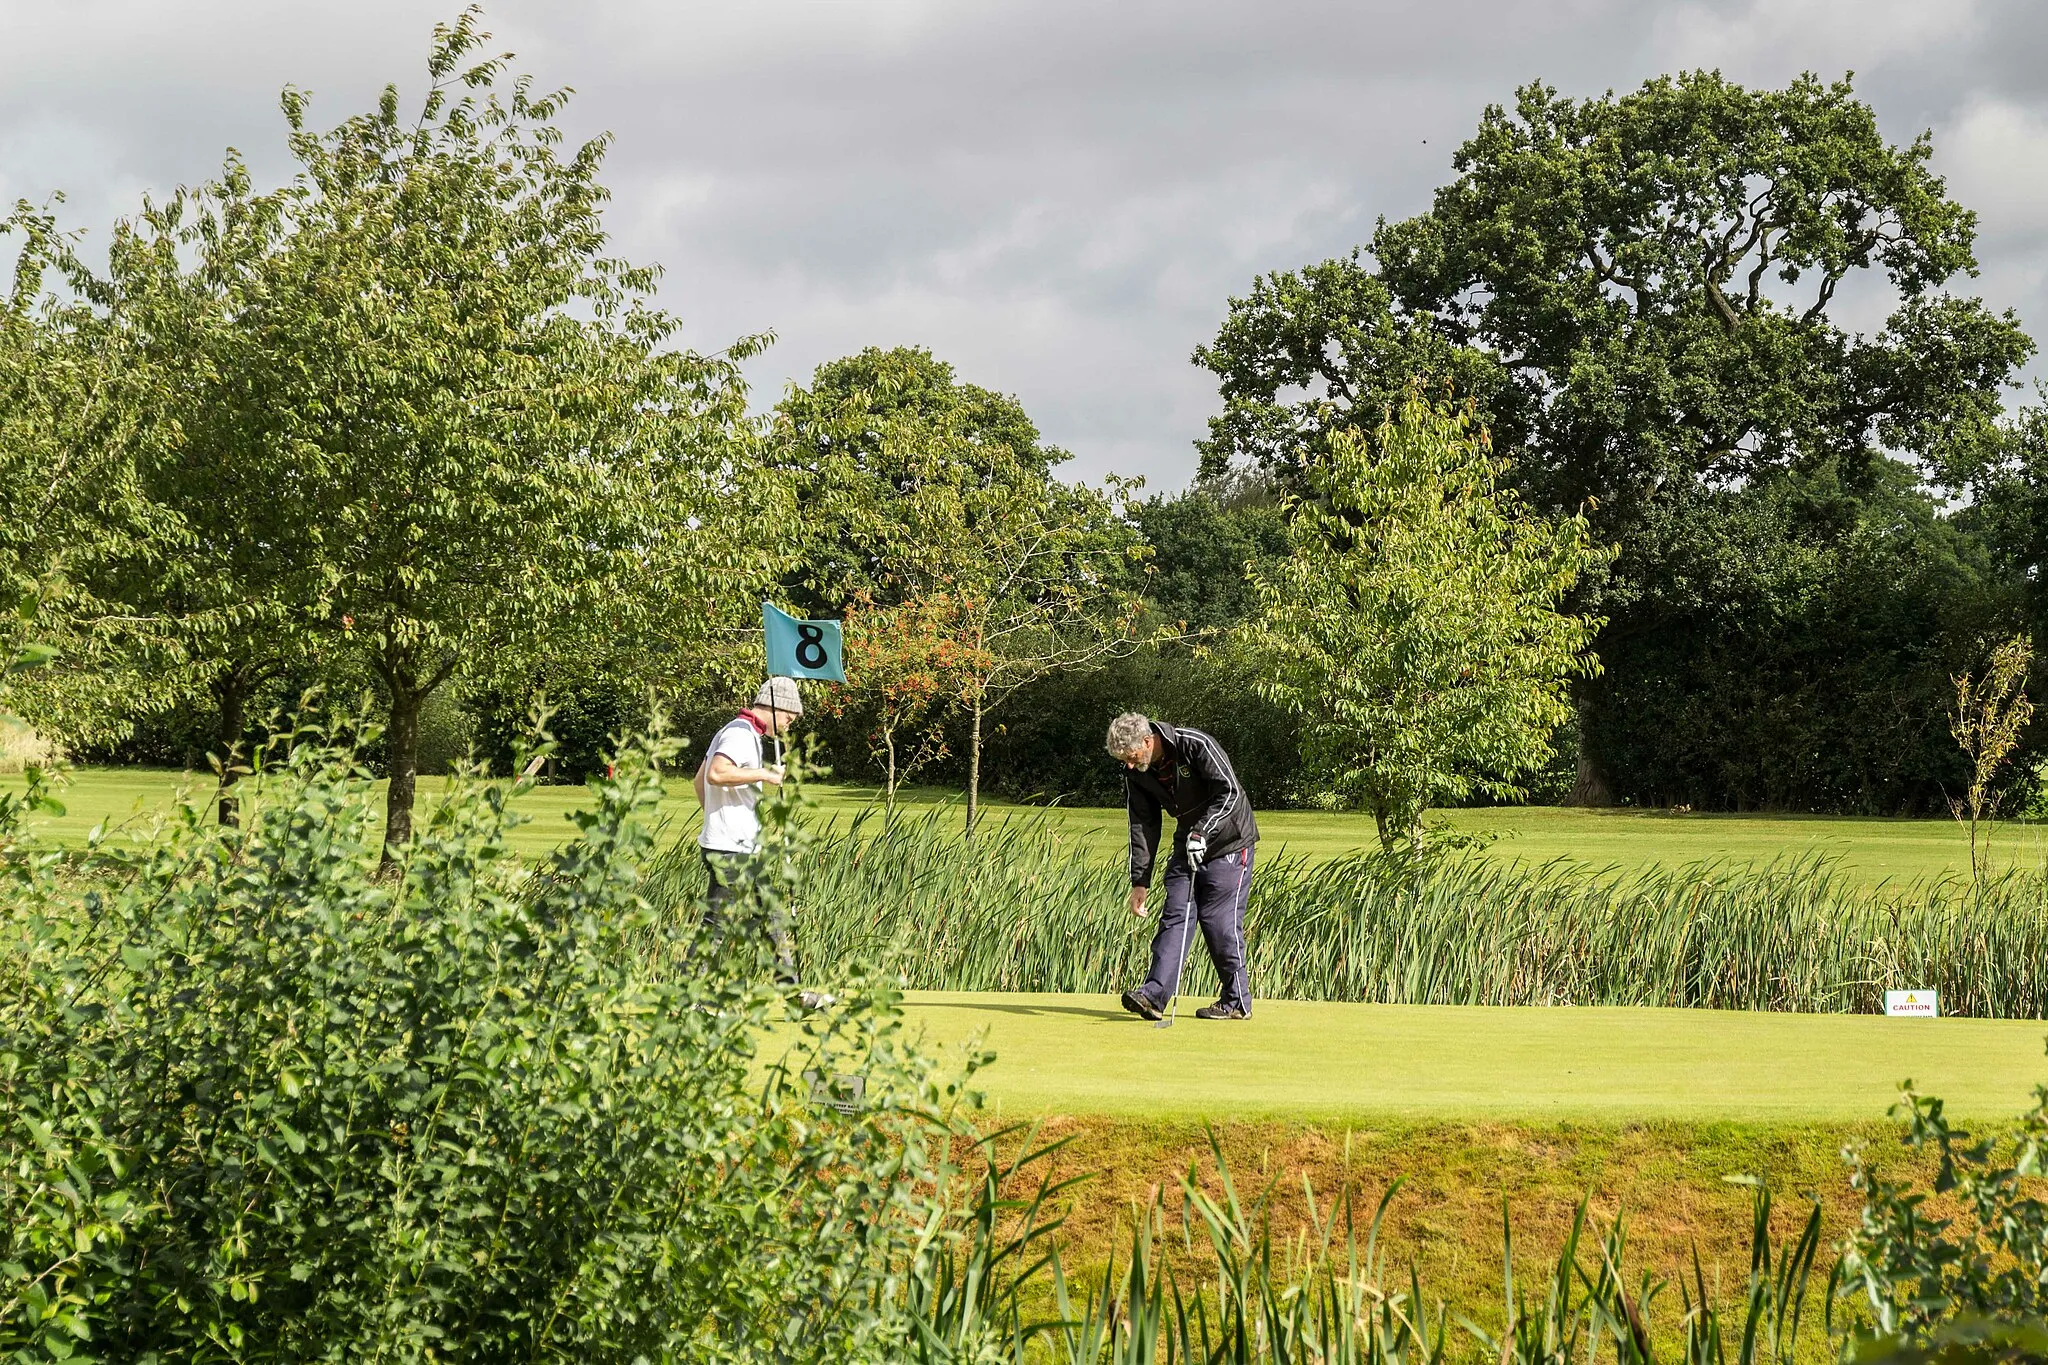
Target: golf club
<point>1180,964</point>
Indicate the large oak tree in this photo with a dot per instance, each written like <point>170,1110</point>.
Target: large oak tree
<point>1646,295</point>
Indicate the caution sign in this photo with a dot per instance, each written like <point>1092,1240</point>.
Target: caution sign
<point>1913,1004</point>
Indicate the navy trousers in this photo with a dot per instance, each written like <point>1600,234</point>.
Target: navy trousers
<point>1215,897</point>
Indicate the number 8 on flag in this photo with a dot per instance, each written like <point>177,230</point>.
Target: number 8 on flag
<point>802,649</point>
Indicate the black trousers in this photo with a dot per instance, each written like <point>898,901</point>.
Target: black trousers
<point>728,912</point>
<point>1214,898</point>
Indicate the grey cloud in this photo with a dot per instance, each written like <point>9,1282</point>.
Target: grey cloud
<point>1059,197</point>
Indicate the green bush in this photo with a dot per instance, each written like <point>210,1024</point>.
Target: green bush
<point>1927,1280</point>
<point>256,1104</point>
<point>1794,647</point>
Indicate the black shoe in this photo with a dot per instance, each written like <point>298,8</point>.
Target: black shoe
<point>1219,1010</point>
<point>1140,1004</point>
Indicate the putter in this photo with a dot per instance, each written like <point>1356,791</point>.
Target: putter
<point>1180,965</point>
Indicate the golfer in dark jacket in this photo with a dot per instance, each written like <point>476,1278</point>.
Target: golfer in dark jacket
<point>1208,876</point>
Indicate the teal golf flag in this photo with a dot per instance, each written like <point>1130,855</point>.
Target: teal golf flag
<point>803,649</point>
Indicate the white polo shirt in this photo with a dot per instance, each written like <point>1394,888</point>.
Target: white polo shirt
<point>730,825</point>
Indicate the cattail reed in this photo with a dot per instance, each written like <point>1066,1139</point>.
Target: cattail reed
<point>1026,907</point>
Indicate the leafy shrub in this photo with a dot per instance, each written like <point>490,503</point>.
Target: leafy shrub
<point>256,1104</point>
<point>1932,1280</point>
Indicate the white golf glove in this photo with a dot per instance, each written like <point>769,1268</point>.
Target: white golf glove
<point>1198,852</point>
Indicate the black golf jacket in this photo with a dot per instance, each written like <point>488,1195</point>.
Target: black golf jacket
<point>1193,779</point>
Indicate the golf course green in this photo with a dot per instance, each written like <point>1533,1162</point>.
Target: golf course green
<point>1872,850</point>
<point>1083,1055</point>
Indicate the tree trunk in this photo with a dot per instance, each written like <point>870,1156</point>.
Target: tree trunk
<point>974,770</point>
<point>1589,785</point>
<point>889,742</point>
<point>402,757</point>
<point>231,691</point>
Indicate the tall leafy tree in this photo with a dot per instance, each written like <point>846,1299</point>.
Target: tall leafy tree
<point>1415,634</point>
<point>480,439</point>
<point>1660,275</point>
<point>1643,292</point>
<point>918,488</point>
<point>2007,479</point>
<point>1325,349</point>
<point>872,435</point>
<point>1201,539</point>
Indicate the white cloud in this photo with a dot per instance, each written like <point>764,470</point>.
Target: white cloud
<point>1058,195</point>
<point>1995,158</point>
<point>1827,36</point>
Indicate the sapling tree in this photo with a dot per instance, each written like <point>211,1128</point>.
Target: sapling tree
<point>901,664</point>
<point>1051,592</point>
<point>1991,714</point>
<point>1415,633</point>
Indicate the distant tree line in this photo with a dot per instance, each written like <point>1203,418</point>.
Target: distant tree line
<point>403,427</point>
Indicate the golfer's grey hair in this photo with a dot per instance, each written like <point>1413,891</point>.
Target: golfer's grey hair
<point>1128,733</point>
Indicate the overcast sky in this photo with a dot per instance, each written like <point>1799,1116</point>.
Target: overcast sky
<point>1058,197</point>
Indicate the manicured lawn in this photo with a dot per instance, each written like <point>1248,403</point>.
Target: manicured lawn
<point>1074,1054</point>
<point>1871,850</point>
<point>129,802</point>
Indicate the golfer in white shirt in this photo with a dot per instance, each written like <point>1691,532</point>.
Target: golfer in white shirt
<point>729,785</point>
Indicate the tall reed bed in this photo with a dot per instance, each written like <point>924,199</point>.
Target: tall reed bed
<point>1022,907</point>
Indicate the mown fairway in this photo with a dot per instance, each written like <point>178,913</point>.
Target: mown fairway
<point>1082,1055</point>
<point>1871,850</point>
